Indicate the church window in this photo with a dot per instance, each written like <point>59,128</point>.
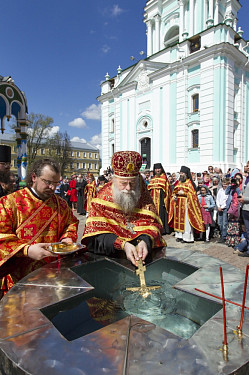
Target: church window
<point>90,155</point>
<point>172,36</point>
<point>43,151</point>
<point>112,125</point>
<point>96,166</point>
<point>90,165</point>
<point>84,165</point>
<point>195,101</point>
<point>78,165</point>
<point>112,149</point>
<point>112,83</point>
<point>78,154</point>
<point>145,124</point>
<point>195,44</point>
<point>71,166</point>
<point>72,153</point>
<point>84,154</point>
<point>195,138</point>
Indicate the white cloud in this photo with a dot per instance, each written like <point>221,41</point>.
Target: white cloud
<point>54,130</point>
<point>105,48</point>
<point>78,123</point>
<point>78,139</point>
<point>48,132</point>
<point>93,112</point>
<point>96,140</point>
<point>116,11</point>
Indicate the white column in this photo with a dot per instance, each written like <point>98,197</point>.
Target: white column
<point>235,24</point>
<point>191,17</point>
<point>149,38</point>
<point>181,21</point>
<point>216,13</point>
<point>205,13</point>
<point>211,9</point>
<point>157,33</point>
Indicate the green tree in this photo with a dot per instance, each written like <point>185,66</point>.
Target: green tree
<point>38,133</point>
<point>60,149</point>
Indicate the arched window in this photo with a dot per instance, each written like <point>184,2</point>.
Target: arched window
<point>112,125</point>
<point>172,36</point>
<point>195,138</point>
<point>195,102</point>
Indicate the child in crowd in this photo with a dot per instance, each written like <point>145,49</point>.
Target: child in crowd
<point>241,249</point>
<point>221,201</point>
<point>207,205</point>
<point>233,210</point>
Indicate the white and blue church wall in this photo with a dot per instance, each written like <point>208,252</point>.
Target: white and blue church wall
<point>188,101</point>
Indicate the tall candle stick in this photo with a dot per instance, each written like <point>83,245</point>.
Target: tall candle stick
<point>224,308</point>
<point>244,300</point>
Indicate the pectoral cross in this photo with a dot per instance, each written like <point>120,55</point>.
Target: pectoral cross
<point>144,290</point>
<point>130,227</point>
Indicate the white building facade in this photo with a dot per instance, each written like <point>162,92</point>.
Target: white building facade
<point>187,103</point>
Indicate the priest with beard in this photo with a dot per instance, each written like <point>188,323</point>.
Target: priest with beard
<point>160,192</point>
<point>185,212</point>
<point>123,219</point>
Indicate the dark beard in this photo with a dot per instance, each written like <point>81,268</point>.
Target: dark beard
<point>182,179</point>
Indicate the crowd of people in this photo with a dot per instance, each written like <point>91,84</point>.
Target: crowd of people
<point>200,206</point>
<point>195,206</point>
<point>128,211</point>
<point>223,204</point>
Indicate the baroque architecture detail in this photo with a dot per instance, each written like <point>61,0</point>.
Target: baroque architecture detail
<point>188,101</point>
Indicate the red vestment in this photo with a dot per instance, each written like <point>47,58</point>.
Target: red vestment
<point>155,185</point>
<point>24,220</point>
<point>188,200</point>
<point>90,193</point>
<point>105,216</point>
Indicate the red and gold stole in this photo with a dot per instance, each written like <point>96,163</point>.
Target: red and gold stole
<point>106,216</point>
<point>155,185</point>
<point>187,201</point>
<point>90,193</point>
<point>23,219</point>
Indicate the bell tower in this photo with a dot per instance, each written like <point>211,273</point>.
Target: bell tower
<point>170,22</point>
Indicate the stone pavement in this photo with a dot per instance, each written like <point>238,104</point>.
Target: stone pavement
<point>212,248</point>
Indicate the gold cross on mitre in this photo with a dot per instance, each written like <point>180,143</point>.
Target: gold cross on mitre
<point>144,290</point>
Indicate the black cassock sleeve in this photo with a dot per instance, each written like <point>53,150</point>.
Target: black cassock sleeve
<point>104,244</point>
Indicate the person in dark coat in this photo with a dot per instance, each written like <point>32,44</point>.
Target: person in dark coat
<point>80,187</point>
<point>65,192</point>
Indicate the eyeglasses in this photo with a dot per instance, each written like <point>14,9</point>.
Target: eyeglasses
<point>50,183</point>
<point>5,164</point>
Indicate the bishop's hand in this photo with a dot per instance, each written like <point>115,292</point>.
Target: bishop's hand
<point>131,253</point>
<point>142,250</point>
<point>134,253</point>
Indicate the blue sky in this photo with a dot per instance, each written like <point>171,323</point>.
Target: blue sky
<point>58,52</point>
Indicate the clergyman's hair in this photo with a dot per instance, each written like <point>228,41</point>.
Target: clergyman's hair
<point>37,168</point>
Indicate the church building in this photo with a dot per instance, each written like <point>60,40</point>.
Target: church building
<point>187,102</point>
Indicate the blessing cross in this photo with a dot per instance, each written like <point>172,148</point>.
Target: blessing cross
<point>144,290</point>
<point>130,226</point>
